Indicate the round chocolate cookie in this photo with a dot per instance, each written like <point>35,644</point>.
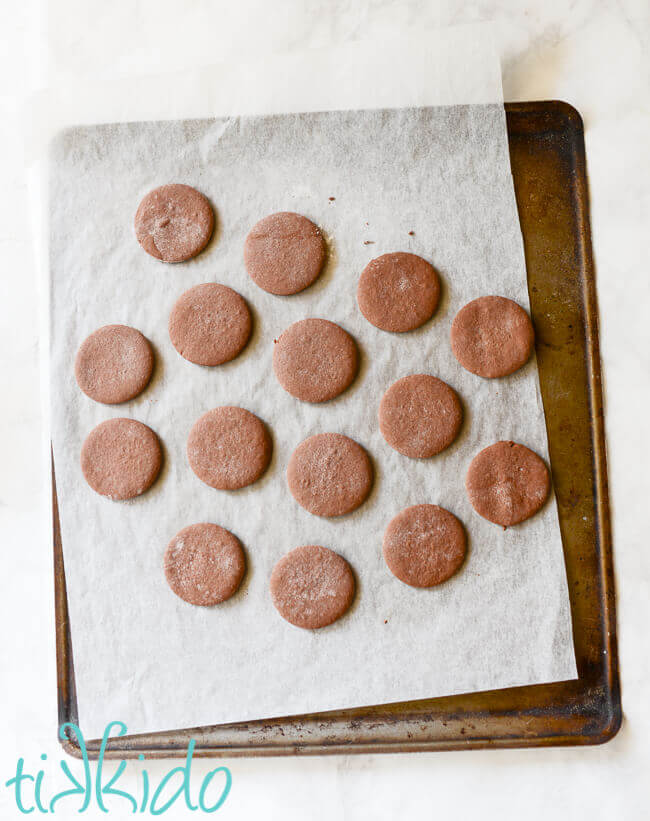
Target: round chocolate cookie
<point>312,586</point>
<point>229,448</point>
<point>284,253</point>
<point>424,545</point>
<point>174,222</point>
<point>210,324</point>
<point>398,292</point>
<point>114,364</point>
<point>492,336</point>
<point>204,564</point>
<point>329,474</point>
<point>315,360</point>
<point>121,458</point>
<point>507,483</point>
<point>420,415</point>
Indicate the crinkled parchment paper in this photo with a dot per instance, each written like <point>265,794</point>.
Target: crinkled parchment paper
<point>367,178</point>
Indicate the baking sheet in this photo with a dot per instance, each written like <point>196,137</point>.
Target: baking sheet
<point>149,659</point>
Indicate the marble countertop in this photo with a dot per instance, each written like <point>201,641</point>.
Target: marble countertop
<point>595,54</point>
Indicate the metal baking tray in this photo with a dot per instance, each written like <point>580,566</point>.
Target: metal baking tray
<point>548,165</point>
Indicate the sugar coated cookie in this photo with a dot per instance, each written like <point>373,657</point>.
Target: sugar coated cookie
<point>174,222</point>
<point>420,415</point>
<point>329,474</point>
<point>492,336</point>
<point>315,360</point>
<point>507,483</point>
<point>114,364</point>
<point>312,586</point>
<point>204,564</point>
<point>398,292</point>
<point>284,253</point>
<point>210,324</point>
<point>424,545</point>
<point>121,458</point>
<point>229,448</point>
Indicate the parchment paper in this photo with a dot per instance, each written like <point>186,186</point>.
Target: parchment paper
<point>142,655</point>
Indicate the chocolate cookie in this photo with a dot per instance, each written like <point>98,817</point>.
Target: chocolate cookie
<point>315,360</point>
<point>121,458</point>
<point>398,292</point>
<point>204,564</point>
<point>507,483</point>
<point>424,545</point>
<point>114,364</point>
<point>329,474</point>
<point>492,336</point>
<point>174,222</point>
<point>210,324</point>
<point>229,448</point>
<point>312,586</point>
<point>420,415</point>
<point>284,253</point>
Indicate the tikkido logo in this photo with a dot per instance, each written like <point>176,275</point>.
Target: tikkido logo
<point>29,793</point>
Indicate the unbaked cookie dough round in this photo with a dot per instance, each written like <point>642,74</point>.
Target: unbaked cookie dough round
<point>210,324</point>
<point>114,364</point>
<point>284,253</point>
<point>312,586</point>
<point>398,292</point>
<point>121,458</point>
<point>204,564</point>
<point>229,448</point>
<point>420,415</point>
<point>174,222</point>
<point>507,483</point>
<point>329,474</point>
<point>492,336</point>
<point>424,545</point>
<point>315,360</point>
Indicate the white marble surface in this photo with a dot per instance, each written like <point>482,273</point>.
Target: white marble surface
<point>592,53</point>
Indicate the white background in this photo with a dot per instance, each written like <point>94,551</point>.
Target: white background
<point>590,53</point>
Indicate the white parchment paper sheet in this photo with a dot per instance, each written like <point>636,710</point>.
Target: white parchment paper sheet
<point>146,657</point>
<point>143,656</point>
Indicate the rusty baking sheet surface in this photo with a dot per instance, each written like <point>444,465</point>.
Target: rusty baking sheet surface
<point>548,164</point>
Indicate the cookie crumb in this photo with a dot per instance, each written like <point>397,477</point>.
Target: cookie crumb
<point>331,199</point>
<point>411,233</point>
